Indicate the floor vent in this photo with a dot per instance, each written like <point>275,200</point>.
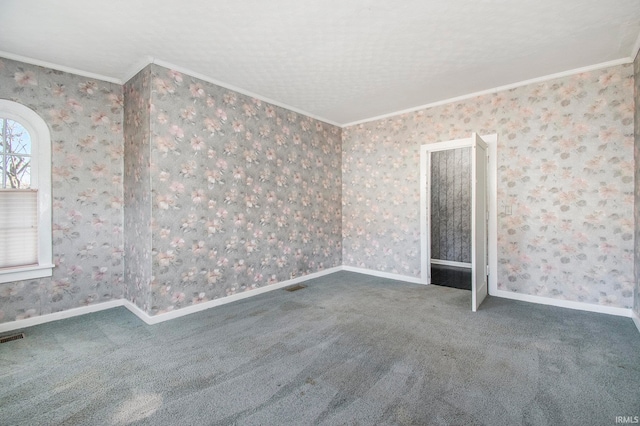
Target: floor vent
<point>6,339</point>
<point>295,287</point>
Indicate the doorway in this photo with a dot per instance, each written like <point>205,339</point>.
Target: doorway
<point>482,259</point>
<point>450,217</point>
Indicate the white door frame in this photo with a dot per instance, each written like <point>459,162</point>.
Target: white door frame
<point>425,197</point>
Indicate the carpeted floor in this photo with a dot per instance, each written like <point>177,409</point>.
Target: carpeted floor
<point>348,349</point>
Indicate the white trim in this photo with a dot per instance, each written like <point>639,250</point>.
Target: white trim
<point>136,68</point>
<point>239,90</point>
<point>492,229</point>
<point>40,180</point>
<point>69,313</point>
<point>447,145</point>
<point>146,60</point>
<point>479,289</point>
<point>548,77</point>
<point>63,68</point>
<point>425,219</point>
<point>150,320</point>
<point>155,319</point>
<point>569,304</point>
<point>636,319</point>
<point>451,263</point>
<point>636,49</point>
<point>26,273</point>
<point>135,309</point>
<point>380,274</point>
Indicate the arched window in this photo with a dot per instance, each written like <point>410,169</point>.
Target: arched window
<point>25,194</point>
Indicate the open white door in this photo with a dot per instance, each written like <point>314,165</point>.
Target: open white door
<point>479,288</point>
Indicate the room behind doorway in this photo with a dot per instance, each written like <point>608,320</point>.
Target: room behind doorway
<point>451,218</point>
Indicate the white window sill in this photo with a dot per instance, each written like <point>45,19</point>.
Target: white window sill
<point>23,273</point>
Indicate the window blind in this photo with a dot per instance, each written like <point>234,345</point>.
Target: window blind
<point>18,228</point>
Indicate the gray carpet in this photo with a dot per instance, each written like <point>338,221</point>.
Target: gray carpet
<point>347,350</point>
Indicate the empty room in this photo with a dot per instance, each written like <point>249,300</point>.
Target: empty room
<point>332,213</point>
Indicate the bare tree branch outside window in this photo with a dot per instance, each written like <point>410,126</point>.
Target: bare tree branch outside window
<point>15,155</point>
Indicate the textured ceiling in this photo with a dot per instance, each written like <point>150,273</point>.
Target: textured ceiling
<point>338,60</point>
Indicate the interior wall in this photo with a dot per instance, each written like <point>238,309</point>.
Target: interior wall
<point>224,193</point>
<point>137,189</point>
<point>565,167</point>
<point>244,193</point>
<point>85,120</point>
<point>451,205</point>
<point>636,67</point>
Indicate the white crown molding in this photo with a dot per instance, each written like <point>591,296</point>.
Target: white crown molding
<point>146,60</point>
<point>136,68</point>
<point>635,49</point>
<point>381,274</point>
<point>608,64</point>
<point>203,77</point>
<point>63,68</point>
<point>580,306</point>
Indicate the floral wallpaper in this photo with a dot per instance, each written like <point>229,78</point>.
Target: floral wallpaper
<point>84,116</point>
<point>636,68</point>
<point>244,194</point>
<point>137,189</point>
<point>565,159</point>
<point>220,193</point>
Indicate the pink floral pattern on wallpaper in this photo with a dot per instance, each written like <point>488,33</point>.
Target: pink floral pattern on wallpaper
<point>636,68</point>
<point>241,194</point>
<point>565,158</point>
<point>137,190</point>
<point>85,119</point>
<point>244,194</point>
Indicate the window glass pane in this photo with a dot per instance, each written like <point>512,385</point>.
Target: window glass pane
<point>2,135</point>
<point>3,165</point>
<point>18,172</point>
<point>18,140</point>
<point>25,164</point>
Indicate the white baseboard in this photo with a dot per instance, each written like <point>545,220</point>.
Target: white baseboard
<point>636,319</point>
<point>381,274</point>
<point>450,263</point>
<point>74,312</point>
<point>580,306</point>
<point>155,319</point>
<point>135,309</point>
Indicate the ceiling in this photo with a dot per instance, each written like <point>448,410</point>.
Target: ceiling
<point>342,61</point>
